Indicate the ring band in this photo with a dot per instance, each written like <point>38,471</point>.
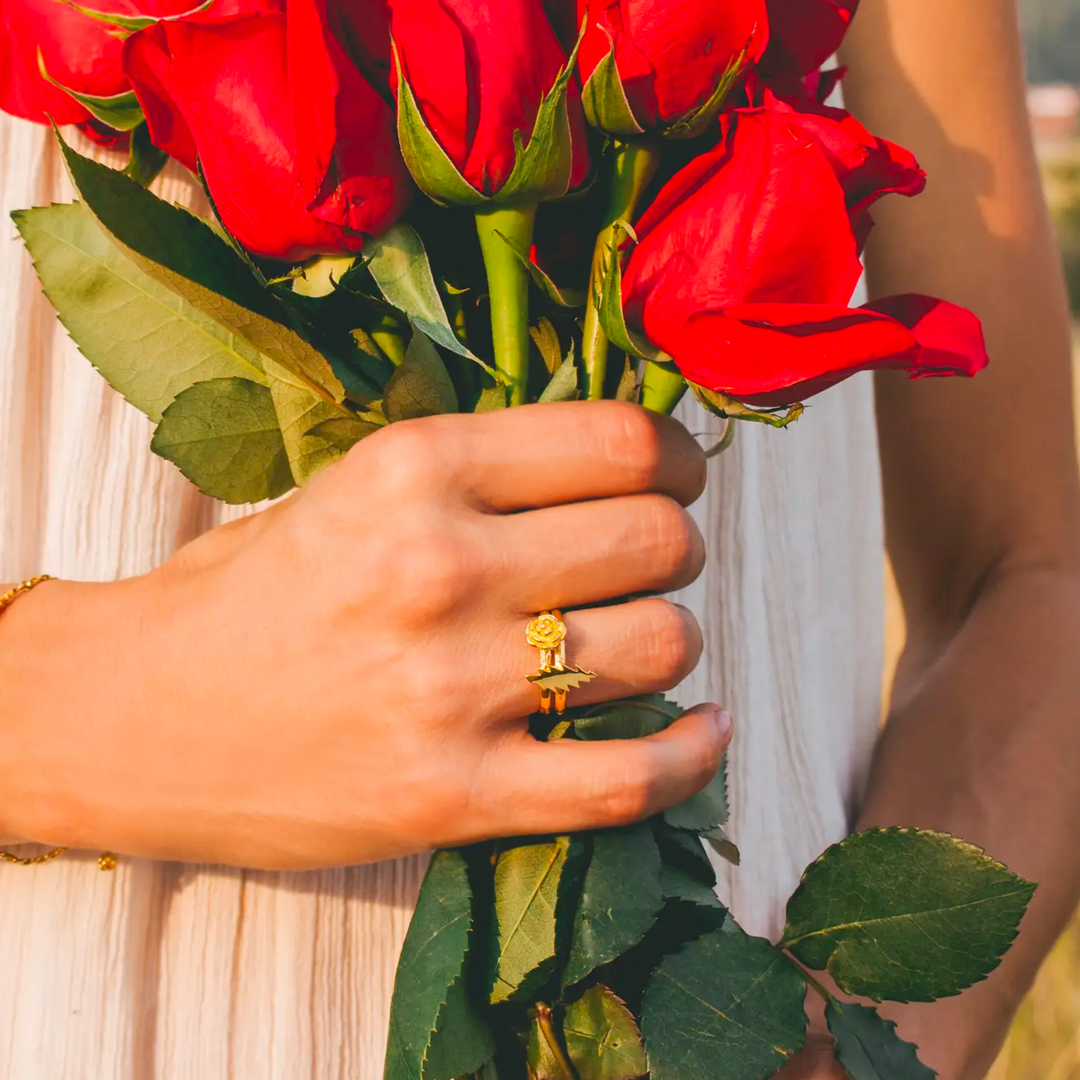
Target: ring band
<point>547,633</point>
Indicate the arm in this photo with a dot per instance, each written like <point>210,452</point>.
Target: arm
<point>982,505</point>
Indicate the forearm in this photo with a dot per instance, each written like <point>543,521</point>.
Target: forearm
<point>984,742</point>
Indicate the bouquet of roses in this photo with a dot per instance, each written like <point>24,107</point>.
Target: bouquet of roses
<point>427,206</point>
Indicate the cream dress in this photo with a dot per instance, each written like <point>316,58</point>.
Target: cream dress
<point>172,972</point>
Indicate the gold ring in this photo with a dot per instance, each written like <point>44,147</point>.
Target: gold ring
<point>547,632</point>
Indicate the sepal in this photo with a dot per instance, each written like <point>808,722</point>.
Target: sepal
<point>608,300</point>
<point>696,121</point>
<point>729,409</point>
<point>603,97</point>
<point>122,112</point>
<point>130,24</point>
<point>542,167</point>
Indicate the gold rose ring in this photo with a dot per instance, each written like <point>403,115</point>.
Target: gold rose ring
<point>547,632</point>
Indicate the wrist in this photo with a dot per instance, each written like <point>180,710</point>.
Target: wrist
<point>68,659</point>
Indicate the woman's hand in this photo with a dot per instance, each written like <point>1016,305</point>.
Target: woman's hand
<point>341,678</point>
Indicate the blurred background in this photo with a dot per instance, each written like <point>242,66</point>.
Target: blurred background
<point>1045,1039</point>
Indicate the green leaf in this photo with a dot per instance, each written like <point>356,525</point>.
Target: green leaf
<point>344,432</point>
<point>905,914</point>
<point>721,843</point>
<point>631,718</point>
<point>184,253</point>
<point>603,97</point>
<point>146,341</point>
<point>321,276</point>
<point>564,383</point>
<point>609,307</point>
<point>492,399</point>
<point>131,23</point>
<point>602,1040</point>
<point>628,384</point>
<point>620,899</point>
<point>546,339</point>
<point>223,435</point>
<point>684,849</point>
<point>678,883</point>
<point>399,264</point>
<point>869,1048</point>
<point>725,1007</point>
<point>435,1033</point>
<point>120,111</point>
<point>301,416</point>
<point>729,409</point>
<point>705,811</point>
<point>567,298</point>
<point>421,386</point>
<point>530,879</point>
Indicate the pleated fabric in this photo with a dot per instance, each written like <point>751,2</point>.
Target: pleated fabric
<point>172,972</point>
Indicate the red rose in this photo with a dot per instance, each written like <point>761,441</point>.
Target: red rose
<point>866,166</point>
<point>479,72</point>
<point>671,54</point>
<point>80,53</point>
<point>295,166</point>
<point>804,34</point>
<point>748,258</point>
<point>363,27</point>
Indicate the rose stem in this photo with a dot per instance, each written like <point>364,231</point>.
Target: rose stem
<point>661,388</point>
<point>635,164</point>
<point>505,232</point>
<point>547,1030</point>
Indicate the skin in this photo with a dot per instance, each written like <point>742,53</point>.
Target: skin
<point>356,656</point>
<point>983,524</point>
<point>982,504</point>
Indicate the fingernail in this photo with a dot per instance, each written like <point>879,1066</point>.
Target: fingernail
<point>724,723</point>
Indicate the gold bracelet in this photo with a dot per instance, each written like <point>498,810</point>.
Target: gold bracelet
<point>106,860</point>
<point>9,598</point>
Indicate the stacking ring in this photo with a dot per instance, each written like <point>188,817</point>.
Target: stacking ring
<point>547,633</point>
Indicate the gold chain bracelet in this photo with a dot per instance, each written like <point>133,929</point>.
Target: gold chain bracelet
<point>106,860</point>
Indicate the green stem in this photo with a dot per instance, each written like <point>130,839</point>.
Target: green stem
<point>635,164</point>
<point>661,388</point>
<point>810,980</point>
<point>547,1029</point>
<point>503,230</point>
<point>145,160</point>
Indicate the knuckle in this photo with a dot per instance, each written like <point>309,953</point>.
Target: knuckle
<point>405,453</point>
<point>632,439</point>
<point>674,642</point>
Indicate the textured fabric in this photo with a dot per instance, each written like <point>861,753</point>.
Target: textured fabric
<point>168,972</point>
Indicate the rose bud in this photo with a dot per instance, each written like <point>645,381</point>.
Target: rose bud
<point>79,53</point>
<point>804,34</point>
<point>470,84</point>
<point>665,65</point>
<point>363,27</point>
<point>748,258</point>
<point>295,166</point>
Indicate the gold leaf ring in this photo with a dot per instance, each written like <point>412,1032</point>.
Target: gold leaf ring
<point>547,633</point>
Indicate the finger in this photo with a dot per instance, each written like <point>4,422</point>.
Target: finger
<point>567,786</point>
<point>566,556</point>
<point>544,455</point>
<point>639,647</point>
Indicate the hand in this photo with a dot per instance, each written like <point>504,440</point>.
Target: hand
<point>341,678</point>
<point>816,1062</point>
